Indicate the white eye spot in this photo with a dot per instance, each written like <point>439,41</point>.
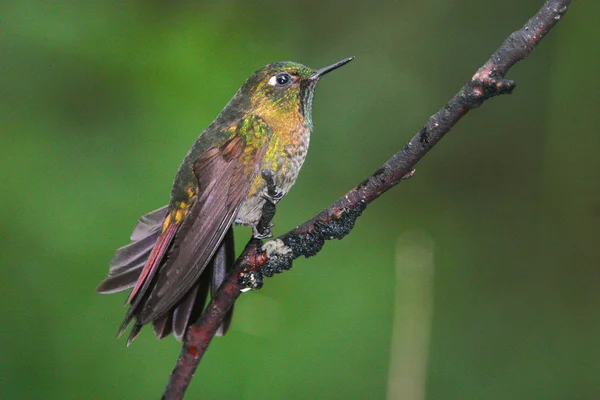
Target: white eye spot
<point>282,79</point>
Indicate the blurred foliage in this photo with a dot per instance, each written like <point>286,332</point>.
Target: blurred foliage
<point>100,101</point>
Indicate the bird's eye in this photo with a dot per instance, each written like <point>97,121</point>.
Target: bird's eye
<point>281,79</point>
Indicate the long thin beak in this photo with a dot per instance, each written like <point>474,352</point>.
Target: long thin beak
<point>326,70</point>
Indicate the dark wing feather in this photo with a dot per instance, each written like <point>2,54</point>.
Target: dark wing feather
<point>192,304</point>
<point>224,182</point>
<point>223,260</point>
<point>128,261</point>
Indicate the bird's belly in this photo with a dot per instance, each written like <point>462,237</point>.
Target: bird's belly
<point>285,167</point>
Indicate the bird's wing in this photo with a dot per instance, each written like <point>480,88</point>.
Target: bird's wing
<point>225,175</point>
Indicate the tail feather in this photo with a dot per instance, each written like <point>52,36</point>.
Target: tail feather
<point>148,224</point>
<point>133,253</point>
<point>128,264</point>
<point>120,282</point>
<point>128,261</point>
<point>186,309</point>
<point>162,326</point>
<point>134,332</point>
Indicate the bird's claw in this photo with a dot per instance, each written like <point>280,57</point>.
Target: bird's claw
<point>264,234</point>
<point>273,199</point>
<point>272,195</point>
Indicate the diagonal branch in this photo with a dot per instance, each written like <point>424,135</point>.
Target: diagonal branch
<point>338,219</point>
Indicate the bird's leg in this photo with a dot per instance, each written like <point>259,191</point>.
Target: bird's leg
<point>262,230</point>
<point>272,195</point>
<point>251,277</point>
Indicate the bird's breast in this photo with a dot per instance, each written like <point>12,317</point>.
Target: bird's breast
<point>284,157</point>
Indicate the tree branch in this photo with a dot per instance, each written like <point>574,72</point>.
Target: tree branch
<point>338,219</point>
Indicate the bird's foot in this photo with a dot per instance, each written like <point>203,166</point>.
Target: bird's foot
<point>273,199</point>
<point>262,232</point>
<point>272,195</point>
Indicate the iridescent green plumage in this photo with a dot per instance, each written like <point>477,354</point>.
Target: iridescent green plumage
<point>180,250</point>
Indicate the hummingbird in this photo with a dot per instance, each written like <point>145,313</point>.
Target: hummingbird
<point>180,252</point>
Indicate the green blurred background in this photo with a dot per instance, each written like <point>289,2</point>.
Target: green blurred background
<point>476,279</point>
